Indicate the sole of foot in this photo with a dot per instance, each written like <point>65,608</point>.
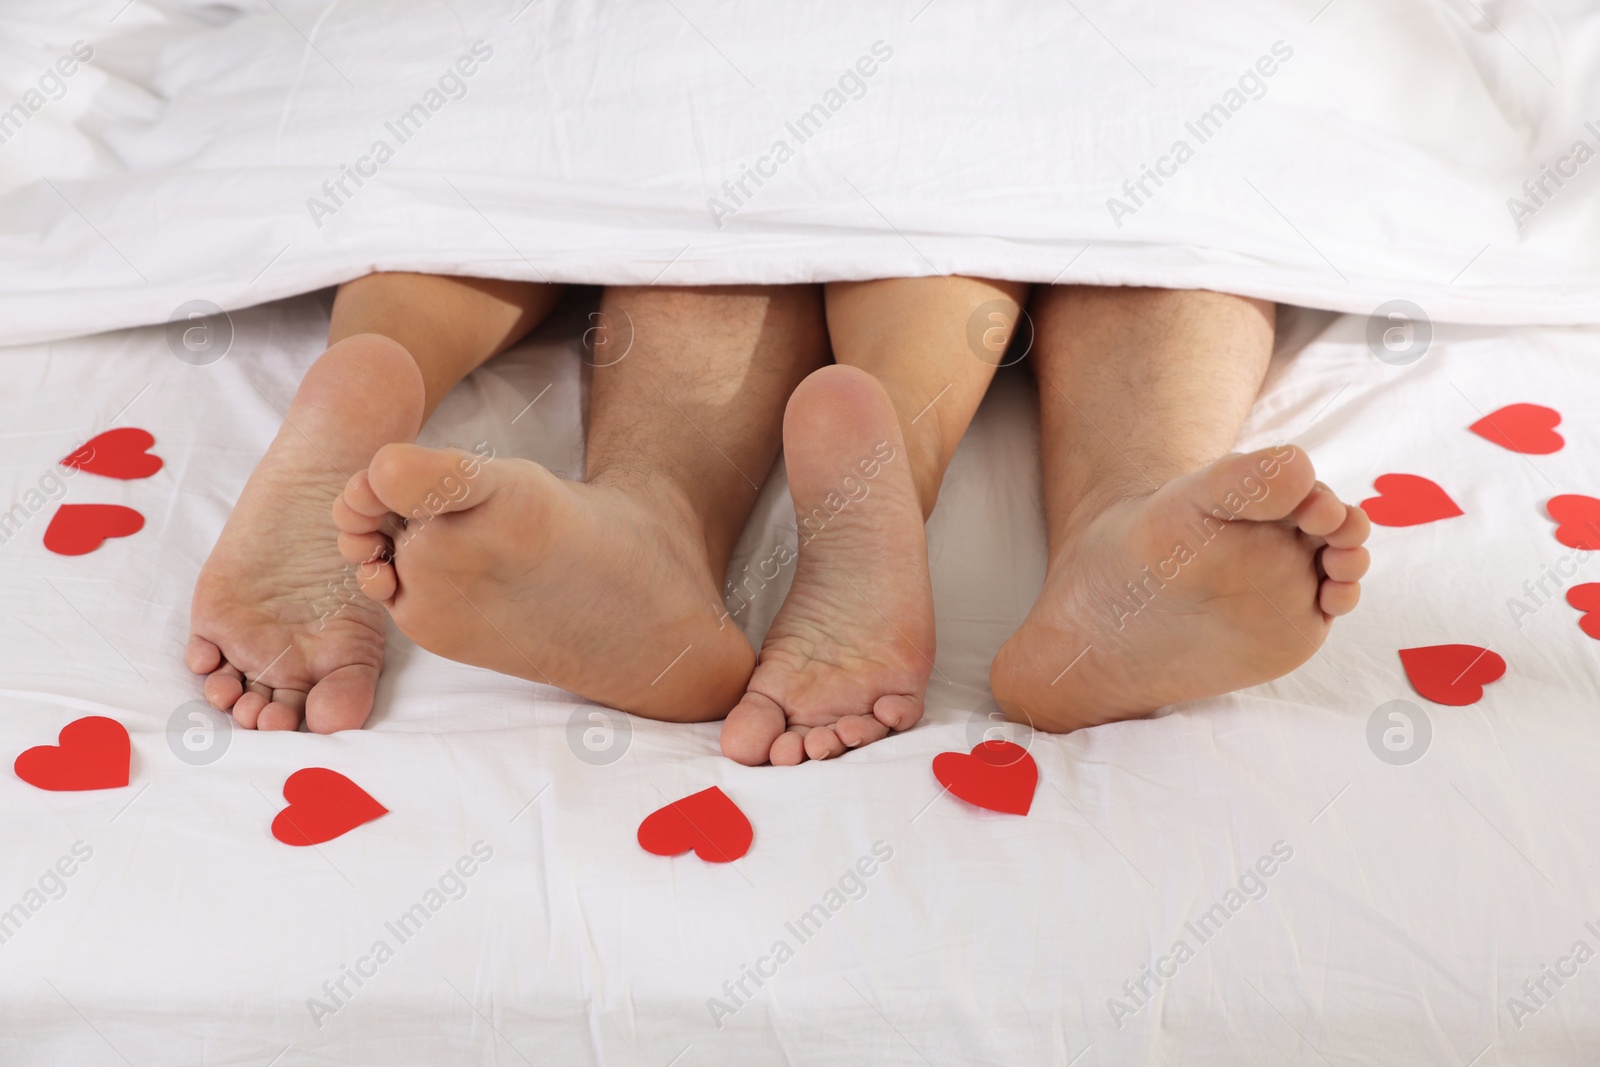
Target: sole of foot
<point>277,624</point>
<point>849,653</point>
<point>1221,579</point>
<point>602,590</point>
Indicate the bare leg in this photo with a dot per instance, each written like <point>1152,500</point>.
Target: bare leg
<point>866,444</point>
<point>1176,572</point>
<point>277,624</point>
<point>449,326</point>
<point>609,588</point>
<point>933,344</point>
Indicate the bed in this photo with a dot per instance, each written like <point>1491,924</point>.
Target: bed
<point>1340,898</point>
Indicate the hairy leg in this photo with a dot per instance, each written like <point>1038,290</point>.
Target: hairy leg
<point>277,624</point>
<point>866,444</point>
<point>1176,571</point>
<point>609,588</point>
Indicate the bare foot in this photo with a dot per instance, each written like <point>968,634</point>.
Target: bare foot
<point>848,655</point>
<point>1156,600</point>
<point>275,624</point>
<point>601,590</point>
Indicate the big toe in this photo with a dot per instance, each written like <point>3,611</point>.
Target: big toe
<point>750,730</point>
<point>342,700</point>
<point>1262,486</point>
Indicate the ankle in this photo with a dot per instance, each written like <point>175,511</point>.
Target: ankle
<point>928,457</point>
<point>664,498</point>
<point>1090,505</point>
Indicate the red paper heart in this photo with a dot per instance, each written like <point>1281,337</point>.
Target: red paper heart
<point>1408,500</point>
<point>1526,428</point>
<point>1579,518</point>
<point>323,805</point>
<point>1451,674</point>
<point>998,775</point>
<point>79,528</point>
<point>121,453</point>
<point>1586,598</point>
<point>92,753</point>
<point>707,822</point>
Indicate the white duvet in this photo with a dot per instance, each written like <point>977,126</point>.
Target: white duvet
<point>1330,153</point>
<point>1240,880</point>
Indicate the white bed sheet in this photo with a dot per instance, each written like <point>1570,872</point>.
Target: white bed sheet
<point>1417,899</point>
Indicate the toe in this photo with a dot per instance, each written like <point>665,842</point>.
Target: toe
<point>224,686</point>
<point>342,700</point>
<point>750,730</point>
<point>419,483</point>
<point>898,711</point>
<point>247,709</point>
<point>823,743</point>
<point>202,656</point>
<point>283,712</point>
<point>358,509</point>
<point>1353,531</point>
<point>789,750</point>
<point>1345,564</point>
<point>378,580</point>
<point>1320,513</point>
<point>360,548</point>
<point>854,731</point>
<point>1261,486</point>
<point>1338,598</point>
